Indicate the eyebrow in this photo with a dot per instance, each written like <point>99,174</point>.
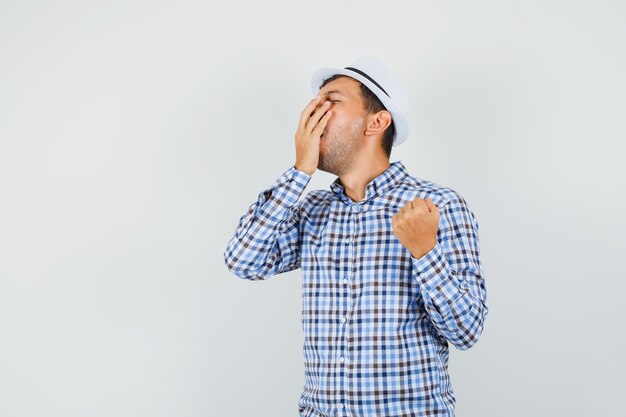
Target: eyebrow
<point>335,92</point>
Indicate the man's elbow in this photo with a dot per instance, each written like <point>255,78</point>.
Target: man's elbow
<point>467,336</point>
<point>466,341</point>
<point>243,269</point>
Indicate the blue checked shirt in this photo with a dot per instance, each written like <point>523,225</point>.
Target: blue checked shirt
<point>377,322</point>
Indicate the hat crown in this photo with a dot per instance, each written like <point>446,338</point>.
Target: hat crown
<point>382,76</point>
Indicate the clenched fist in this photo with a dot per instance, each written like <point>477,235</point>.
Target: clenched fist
<point>416,226</point>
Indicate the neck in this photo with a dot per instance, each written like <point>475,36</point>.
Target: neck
<point>365,168</point>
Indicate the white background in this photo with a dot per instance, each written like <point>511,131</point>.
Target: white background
<point>133,135</point>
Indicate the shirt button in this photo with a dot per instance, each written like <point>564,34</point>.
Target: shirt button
<point>345,280</point>
<point>343,320</point>
<point>347,241</point>
<point>356,208</point>
<point>341,359</point>
<point>341,405</point>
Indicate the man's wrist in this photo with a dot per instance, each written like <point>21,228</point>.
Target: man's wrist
<point>417,253</point>
<point>302,170</point>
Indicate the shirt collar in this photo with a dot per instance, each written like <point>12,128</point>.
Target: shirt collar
<point>386,180</point>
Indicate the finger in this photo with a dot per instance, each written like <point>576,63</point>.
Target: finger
<point>431,206</point>
<point>317,115</point>
<point>419,203</point>
<point>428,203</point>
<point>321,125</point>
<point>306,113</point>
<point>316,126</point>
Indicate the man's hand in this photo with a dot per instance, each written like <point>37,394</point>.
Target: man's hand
<point>310,128</point>
<point>416,226</point>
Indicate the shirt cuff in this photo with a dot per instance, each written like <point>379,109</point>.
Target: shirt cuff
<point>432,271</point>
<point>294,174</point>
<point>285,192</point>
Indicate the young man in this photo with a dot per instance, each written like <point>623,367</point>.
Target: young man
<point>390,263</point>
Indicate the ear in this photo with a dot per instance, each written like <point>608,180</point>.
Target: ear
<point>378,122</point>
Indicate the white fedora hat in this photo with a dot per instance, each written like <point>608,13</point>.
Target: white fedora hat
<point>382,82</point>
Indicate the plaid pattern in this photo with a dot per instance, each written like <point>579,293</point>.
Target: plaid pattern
<point>377,322</point>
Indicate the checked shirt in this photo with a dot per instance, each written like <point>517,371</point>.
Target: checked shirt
<point>377,322</point>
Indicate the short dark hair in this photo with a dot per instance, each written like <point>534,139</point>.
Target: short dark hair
<point>372,104</point>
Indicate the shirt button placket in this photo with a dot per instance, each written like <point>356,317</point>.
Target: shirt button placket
<point>349,240</point>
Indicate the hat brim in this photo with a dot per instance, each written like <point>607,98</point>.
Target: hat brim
<point>400,121</point>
